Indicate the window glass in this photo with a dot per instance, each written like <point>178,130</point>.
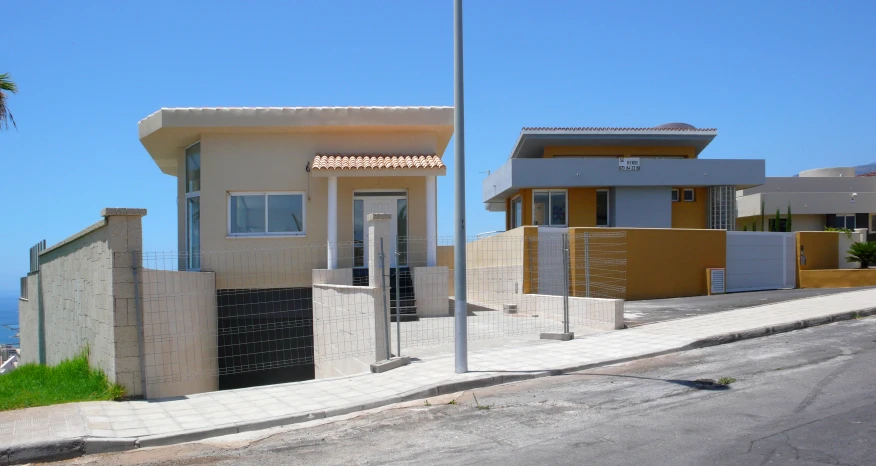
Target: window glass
<point>358,233</point>
<point>193,233</point>
<point>402,231</point>
<point>602,208</point>
<point>285,213</point>
<point>558,208</point>
<point>193,168</point>
<point>872,224</point>
<point>247,214</point>
<point>689,195</point>
<point>675,195</point>
<point>850,222</point>
<point>517,213</point>
<point>540,208</point>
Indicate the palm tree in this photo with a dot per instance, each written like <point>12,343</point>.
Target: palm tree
<point>865,253</point>
<point>6,85</point>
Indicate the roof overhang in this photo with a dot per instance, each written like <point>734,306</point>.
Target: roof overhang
<point>532,141</point>
<point>167,131</point>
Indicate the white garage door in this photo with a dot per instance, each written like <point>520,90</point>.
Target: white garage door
<point>760,261</point>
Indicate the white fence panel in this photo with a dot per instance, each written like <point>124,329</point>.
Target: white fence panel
<point>760,261</point>
<point>550,261</point>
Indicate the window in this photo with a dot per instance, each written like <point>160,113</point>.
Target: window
<point>266,214</point>
<point>689,195</point>
<point>549,208</point>
<point>193,206</point>
<point>516,212</point>
<point>676,195</point>
<point>358,233</point>
<point>783,225</point>
<point>602,218</point>
<point>844,221</point>
<point>402,231</point>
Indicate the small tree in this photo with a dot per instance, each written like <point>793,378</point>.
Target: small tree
<point>777,226</point>
<point>745,227</point>
<point>763,224</point>
<point>864,253</point>
<point>789,228</point>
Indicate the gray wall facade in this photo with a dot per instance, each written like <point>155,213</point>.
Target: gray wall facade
<point>641,207</point>
<point>570,172</point>
<point>83,298</point>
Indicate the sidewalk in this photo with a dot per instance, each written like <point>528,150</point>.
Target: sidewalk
<point>93,427</point>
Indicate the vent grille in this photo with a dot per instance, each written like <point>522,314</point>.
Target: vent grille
<point>716,281</point>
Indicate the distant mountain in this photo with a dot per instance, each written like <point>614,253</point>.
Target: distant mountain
<point>869,168</point>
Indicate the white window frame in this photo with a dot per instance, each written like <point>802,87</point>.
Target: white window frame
<point>511,216</point>
<point>676,195</point>
<point>188,196</point>
<point>607,207</point>
<point>693,193</point>
<point>549,192</point>
<point>266,234</point>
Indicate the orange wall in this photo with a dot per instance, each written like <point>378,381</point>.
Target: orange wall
<point>691,214</point>
<point>660,263</point>
<point>618,151</point>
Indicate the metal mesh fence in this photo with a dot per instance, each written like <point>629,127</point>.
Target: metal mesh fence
<point>254,316</point>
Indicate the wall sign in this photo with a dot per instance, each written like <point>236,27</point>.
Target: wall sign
<point>629,164</point>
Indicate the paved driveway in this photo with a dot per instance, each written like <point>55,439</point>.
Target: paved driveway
<point>658,310</point>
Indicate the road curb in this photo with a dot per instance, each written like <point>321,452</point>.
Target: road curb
<point>71,448</point>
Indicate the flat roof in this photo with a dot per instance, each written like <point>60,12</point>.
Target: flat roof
<point>533,140</point>
<point>168,130</point>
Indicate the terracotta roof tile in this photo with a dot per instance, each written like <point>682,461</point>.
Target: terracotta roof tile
<point>376,161</point>
<point>606,128</point>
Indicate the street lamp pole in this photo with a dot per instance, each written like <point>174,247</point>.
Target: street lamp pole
<point>460,310</point>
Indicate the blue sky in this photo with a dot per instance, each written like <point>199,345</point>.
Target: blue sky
<point>791,82</point>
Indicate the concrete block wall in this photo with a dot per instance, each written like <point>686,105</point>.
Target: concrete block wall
<point>430,290</point>
<point>346,320</point>
<point>85,292</point>
<point>599,313</point>
<point>180,331</point>
<point>29,322</point>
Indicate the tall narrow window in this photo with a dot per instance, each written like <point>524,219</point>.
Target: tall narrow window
<point>402,231</point>
<point>602,217</point>
<point>549,208</point>
<point>516,212</point>
<point>358,233</point>
<point>193,206</point>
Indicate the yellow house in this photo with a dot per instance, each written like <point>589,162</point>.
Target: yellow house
<point>618,177</point>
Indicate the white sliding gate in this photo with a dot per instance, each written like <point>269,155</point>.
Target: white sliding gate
<point>760,261</point>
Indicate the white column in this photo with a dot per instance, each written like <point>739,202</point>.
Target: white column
<point>431,222</point>
<point>333,222</point>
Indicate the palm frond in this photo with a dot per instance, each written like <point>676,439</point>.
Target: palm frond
<point>6,85</point>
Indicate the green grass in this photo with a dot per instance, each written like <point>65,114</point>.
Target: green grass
<point>72,380</point>
<point>726,380</point>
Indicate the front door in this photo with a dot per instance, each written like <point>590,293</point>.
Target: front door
<point>395,203</point>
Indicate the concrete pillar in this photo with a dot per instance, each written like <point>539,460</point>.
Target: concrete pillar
<point>431,223</point>
<point>126,246</point>
<point>333,222</point>
<point>379,227</point>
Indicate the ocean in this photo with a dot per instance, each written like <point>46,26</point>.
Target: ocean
<point>8,316</point>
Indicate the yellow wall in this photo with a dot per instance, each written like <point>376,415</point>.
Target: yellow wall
<point>660,263</point>
<point>619,151</point>
<point>820,248</point>
<point>691,214</point>
<point>837,278</point>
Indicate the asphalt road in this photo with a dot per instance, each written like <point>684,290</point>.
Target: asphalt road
<point>658,310</point>
<point>805,397</point>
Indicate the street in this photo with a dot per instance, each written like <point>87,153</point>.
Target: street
<point>804,397</point>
